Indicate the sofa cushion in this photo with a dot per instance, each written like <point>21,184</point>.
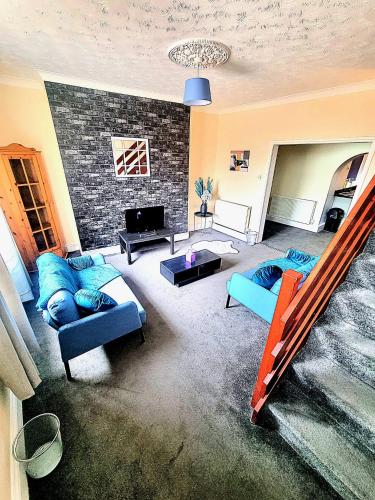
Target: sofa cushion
<point>121,293</point>
<point>267,276</point>
<point>93,300</point>
<point>62,308</point>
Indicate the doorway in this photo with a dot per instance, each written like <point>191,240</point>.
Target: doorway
<point>305,181</point>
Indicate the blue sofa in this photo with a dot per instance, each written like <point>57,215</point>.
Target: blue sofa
<point>261,300</point>
<point>60,279</point>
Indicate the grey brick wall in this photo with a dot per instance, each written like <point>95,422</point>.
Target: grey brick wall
<point>85,119</point>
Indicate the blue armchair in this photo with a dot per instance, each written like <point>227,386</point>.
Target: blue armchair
<point>259,299</point>
<point>59,280</point>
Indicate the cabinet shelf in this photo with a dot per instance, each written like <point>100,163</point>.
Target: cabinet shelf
<point>44,228</point>
<point>34,208</point>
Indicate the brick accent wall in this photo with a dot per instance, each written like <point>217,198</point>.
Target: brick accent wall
<point>85,119</point>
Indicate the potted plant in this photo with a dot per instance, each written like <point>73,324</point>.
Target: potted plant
<point>204,193</point>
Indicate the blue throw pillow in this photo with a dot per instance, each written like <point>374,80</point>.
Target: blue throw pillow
<point>62,308</point>
<point>267,276</point>
<point>93,300</point>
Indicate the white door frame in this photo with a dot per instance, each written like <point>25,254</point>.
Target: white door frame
<point>272,164</point>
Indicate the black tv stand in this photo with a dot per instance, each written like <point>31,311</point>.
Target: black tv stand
<point>148,240</point>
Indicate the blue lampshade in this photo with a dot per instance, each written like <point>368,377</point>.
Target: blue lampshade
<point>197,92</point>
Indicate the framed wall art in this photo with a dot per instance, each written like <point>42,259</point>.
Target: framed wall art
<point>239,161</point>
<point>131,157</point>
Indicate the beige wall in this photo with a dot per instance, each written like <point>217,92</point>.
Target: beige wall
<point>346,116</point>
<point>202,154</point>
<point>306,171</point>
<point>25,118</point>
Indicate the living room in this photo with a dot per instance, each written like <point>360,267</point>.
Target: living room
<point>152,394</point>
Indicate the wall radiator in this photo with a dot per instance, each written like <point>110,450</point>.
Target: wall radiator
<point>292,209</point>
<point>231,218</point>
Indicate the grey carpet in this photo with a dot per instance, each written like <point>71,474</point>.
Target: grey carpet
<point>169,419</point>
<point>282,237</point>
<point>326,406</point>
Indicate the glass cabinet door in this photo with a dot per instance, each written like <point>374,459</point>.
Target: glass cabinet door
<point>32,195</point>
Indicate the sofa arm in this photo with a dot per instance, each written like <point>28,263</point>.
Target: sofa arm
<point>253,296</point>
<point>93,331</point>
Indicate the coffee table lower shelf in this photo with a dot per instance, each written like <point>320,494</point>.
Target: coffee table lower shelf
<point>179,272</point>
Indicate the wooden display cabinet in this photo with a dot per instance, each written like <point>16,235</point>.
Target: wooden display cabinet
<point>27,203</point>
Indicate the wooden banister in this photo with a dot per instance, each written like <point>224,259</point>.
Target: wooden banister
<point>297,310</point>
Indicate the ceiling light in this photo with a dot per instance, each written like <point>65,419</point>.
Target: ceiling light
<point>198,54</point>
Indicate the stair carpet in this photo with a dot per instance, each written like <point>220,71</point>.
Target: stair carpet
<point>325,408</point>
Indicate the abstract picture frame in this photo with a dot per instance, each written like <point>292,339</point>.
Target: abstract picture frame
<point>131,157</point>
<point>239,160</point>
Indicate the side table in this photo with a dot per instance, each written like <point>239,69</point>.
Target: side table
<point>207,215</point>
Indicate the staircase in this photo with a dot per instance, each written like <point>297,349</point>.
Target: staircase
<point>325,408</point>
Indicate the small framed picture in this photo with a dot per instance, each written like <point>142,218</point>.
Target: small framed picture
<point>131,157</point>
<point>239,161</point>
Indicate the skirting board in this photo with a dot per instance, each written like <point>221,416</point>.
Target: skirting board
<point>18,481</point>
<point>287,222</point>
<point>104,250</point>
<point>230,232</point>
<point>72,247</point>
<point>180,237</point>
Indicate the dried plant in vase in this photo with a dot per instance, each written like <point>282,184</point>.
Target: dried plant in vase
<point>204,192</point>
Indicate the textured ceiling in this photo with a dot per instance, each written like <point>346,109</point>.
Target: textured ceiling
<point>279,47</point>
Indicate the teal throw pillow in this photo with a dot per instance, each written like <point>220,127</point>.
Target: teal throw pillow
<point>79,263</point>
<point>267,276</point>
<point>93,300</point>
<point>298,256</point>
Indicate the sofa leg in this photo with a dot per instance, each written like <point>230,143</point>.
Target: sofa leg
<point>141,334</point>
<point>67,370</point>
<point>228,301</point>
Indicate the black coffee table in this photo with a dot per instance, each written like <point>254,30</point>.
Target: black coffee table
<point>139,242</point>
<point>180,272</point>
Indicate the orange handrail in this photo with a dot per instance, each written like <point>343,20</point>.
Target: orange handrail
<point>297,310</point>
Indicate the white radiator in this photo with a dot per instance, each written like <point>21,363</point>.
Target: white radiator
<point>231,218</point>
<point>292,209</point>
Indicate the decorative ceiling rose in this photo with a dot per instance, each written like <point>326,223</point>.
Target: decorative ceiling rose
<point>199,53</point>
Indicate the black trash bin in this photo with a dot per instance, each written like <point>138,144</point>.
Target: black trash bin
<point>334,218</point>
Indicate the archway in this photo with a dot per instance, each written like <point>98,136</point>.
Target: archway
<point>343,185</point>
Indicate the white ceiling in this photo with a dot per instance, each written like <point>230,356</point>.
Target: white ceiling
<point>279,47</point>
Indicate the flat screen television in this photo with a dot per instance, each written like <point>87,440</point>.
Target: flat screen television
<point>141,220</point>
